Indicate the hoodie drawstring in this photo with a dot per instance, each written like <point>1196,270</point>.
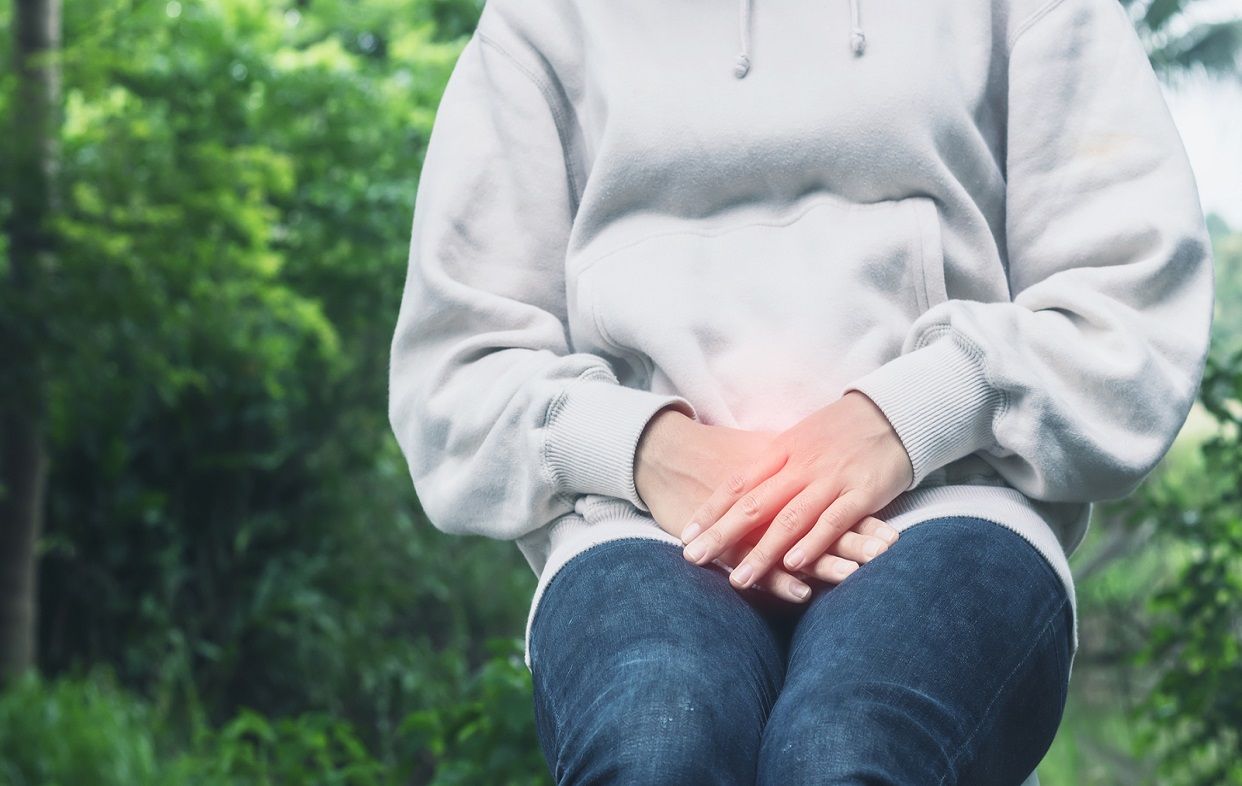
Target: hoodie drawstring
<point>743,59</point>
<point>858,40</point>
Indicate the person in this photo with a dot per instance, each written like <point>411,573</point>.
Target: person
<point>792,347</point>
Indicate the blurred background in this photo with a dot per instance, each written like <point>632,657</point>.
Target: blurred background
<point>213,567</point>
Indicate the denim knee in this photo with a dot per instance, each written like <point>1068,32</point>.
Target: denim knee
<point>648,669</point>
<point>942,660</point>
<point>665,717</point>
<point>852,733</point>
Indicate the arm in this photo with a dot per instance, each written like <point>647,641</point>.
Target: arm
<point>501,424</point>
<point>1075,390</point>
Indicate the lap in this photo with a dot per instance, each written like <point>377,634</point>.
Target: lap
<point>940,643</point>
<point>944,659</point>
<point>647,667</point>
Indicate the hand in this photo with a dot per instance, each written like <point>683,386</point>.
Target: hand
<point>679,462</point>
<point>815,481</point>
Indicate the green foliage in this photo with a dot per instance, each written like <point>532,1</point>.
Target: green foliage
<point>1227,317</point>
<point>230,523</point>
<point>1158,684</point>
<point>89,731</point>
<point>253,751</point>
<point>69,733</point>
<point>489,738</point>
<point>1195,645</point>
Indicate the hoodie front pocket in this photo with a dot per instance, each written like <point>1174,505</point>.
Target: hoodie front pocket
<point>759,320</point>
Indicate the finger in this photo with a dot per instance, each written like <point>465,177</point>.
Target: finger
<point>793,521</point>
<point>777,581</point>
<point>832,569</point>
<point>844,512</point>
<point>754,508</point>
<point>877,528</point>
<point>860,548</point>
<point>738,483</point>
<point>784,585</point>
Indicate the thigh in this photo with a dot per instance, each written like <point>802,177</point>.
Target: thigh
<point>649,669</point>
<point>944,660</point>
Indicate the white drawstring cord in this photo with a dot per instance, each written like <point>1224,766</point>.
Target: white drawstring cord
<point>743,59</point>
<point>741,67</point>
<point>858,41</point>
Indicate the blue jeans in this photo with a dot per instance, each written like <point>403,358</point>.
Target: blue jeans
<point>944,660</point>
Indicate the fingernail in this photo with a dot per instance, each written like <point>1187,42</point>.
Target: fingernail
<point>873,547</point>
<point>694,552</point>
<point>743,573</point>
<point>888,533</point>
<point>843,569</point>
<point>794,559</point>
<point>688,534</point>
<point>801,591</point>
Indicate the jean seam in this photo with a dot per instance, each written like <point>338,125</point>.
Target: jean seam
<point>550,708</point>
<point>999,691</point>
<point>1063,663</point>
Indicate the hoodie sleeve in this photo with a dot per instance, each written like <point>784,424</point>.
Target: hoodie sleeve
<point>501,423</point>
<point>1075,389</point>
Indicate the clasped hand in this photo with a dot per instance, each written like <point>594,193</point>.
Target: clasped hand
<point>805,497</point>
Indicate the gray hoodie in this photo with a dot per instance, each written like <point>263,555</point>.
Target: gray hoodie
<point>978,213</point>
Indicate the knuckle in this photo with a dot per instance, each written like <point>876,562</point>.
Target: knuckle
<point>867,526</point>
<point>809,459</point>
<point>830,519</point>
<point>841,515</point>
<point>834,568</point>
<point>786,585</point>
<point>759,556</point>
<point>775,582</point>
<point>737,481</point>
<point>850,540</point>
<point>868,483</point>
<point>750,504</point>
<point>791,518</point>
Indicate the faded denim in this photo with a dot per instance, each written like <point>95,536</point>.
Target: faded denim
<point>944,660</point>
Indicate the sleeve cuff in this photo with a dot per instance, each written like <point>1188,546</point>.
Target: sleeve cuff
<point>939,401</point>
<point>592,436</point>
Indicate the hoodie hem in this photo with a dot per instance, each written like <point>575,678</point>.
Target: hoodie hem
<point>611,519</point>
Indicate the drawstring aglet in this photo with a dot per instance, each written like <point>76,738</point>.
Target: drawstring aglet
<point>858,41</point>
<point>742,66</point>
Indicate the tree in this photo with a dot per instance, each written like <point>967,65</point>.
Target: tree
<point>31,248</point>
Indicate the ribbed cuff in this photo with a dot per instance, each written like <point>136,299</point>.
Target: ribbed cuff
<point>592,433</point>
<point>938,400</point>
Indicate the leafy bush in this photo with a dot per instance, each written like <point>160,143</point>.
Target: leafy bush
<point>72,733</point>
<point>90,732</point>
<point>1194,714</point>
<point>489,736</point>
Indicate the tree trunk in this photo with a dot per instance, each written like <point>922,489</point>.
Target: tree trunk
<point>23,454</point>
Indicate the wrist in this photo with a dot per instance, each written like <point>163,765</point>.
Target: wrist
<point>664,431</point>
<point>895,450</point>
